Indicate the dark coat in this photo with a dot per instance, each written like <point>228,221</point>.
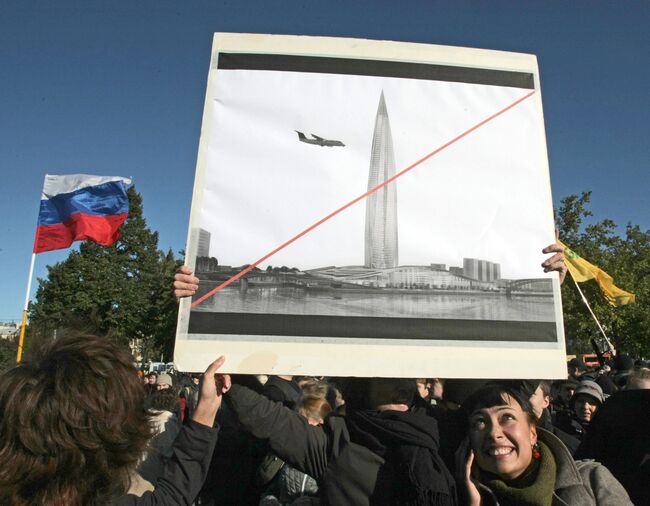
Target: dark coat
<point>566,422</point>
<point>184,473</point>
<point>348,473</point>
<point>619,438</point>
<point>571,442</point>
<point>287,392</point>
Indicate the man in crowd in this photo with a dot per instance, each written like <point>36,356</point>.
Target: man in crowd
<point>379,453</point>
<point>576,368</point>
<point>164,382</point>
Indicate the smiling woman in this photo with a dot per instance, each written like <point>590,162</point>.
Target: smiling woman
<point>507,459</point>
<point>504,438</point>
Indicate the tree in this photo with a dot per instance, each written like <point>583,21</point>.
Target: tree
<point>121,291</point>
<point>8,349</point>
<point>626,259</point>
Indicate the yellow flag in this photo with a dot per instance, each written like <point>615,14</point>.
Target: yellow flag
<point>581,270</point>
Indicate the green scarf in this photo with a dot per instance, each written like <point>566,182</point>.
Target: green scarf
<point>533,488</point>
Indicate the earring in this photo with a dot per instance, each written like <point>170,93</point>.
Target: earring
<point>536,452</point>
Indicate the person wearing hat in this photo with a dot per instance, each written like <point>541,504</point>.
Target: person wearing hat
<point>164,381</point>
<point>586,400</point>
<point>619,438</point>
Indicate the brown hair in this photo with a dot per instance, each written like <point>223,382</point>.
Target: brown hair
<point>314,407</point>
<point>72,424</point>
<point>313,402</point>
<point>315,388</point>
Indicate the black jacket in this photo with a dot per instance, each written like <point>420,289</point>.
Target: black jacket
<point>287,392</point>
<point>567,423</point>
<point>571,442</point>
<point>184,473</point>
<point>348,473</point>
<point>619,438</point>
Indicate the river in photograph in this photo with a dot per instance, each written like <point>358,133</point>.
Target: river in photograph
<point>299,301</point>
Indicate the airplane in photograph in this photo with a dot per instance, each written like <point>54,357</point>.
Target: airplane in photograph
<point>319,141</point>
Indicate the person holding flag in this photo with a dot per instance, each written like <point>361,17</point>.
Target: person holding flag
<point>582,271</point>
<point>76,207</point>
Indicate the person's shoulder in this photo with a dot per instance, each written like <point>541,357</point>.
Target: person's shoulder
<point>340,443</point>
<point>625,408</point>
<point>336,429</point>
<point>571,442</point>
<point>595,474</point>
<point>277,385</point>
<point>273,391</point>
<point>335,421</point>
<point>629,396</point>
<point>604,486</point>
<point>588,467</point>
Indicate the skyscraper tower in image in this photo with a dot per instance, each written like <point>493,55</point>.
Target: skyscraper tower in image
<point>381,206</point>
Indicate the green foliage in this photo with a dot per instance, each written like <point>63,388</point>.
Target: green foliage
<point>8,349</point>
<point>121,291</point>
<point>626,259</point>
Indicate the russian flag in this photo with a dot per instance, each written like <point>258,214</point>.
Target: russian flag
<point>77,207</point>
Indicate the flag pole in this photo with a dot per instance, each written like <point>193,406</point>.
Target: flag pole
<point>19,353</point>
<point>584,299</point>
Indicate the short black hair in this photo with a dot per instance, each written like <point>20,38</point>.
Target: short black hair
<point>494,394</point>
<point>368,393</point>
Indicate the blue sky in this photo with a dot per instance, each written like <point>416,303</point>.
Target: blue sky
<point>117,88</point>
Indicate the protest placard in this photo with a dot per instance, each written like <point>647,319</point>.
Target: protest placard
<point>371,208</point>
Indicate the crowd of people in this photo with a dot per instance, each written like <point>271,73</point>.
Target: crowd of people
<point>80,426</point>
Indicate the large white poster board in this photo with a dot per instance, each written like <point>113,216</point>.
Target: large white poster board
<point>373,209</point>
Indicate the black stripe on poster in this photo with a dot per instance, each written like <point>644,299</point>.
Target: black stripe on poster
<point>376,68</point>
<point>370,328</point>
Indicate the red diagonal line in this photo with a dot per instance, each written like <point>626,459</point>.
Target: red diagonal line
<point>360,197</point>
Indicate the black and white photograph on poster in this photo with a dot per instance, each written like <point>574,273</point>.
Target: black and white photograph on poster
<point>351,200</point>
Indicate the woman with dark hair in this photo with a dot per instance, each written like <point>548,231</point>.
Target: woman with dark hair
<point>73,426</point>
<point>507,459</point>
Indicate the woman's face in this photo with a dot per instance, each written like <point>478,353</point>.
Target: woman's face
<point>584,406</point>
<point>502,439</point>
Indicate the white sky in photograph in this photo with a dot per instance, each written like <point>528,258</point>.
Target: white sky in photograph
<point>487,196</point>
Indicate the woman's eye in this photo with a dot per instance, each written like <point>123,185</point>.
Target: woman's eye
<point>478,424</point>
<point>508,417</point>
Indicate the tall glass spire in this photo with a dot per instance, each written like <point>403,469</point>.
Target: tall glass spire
<point>381,206</point>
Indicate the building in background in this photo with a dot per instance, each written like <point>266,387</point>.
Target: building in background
<point>9,330</point>
<point>381,249</point>
<point>203,243</point>
<point>481,270</point>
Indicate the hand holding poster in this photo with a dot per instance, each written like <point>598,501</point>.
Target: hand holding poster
<point>371,208</point>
